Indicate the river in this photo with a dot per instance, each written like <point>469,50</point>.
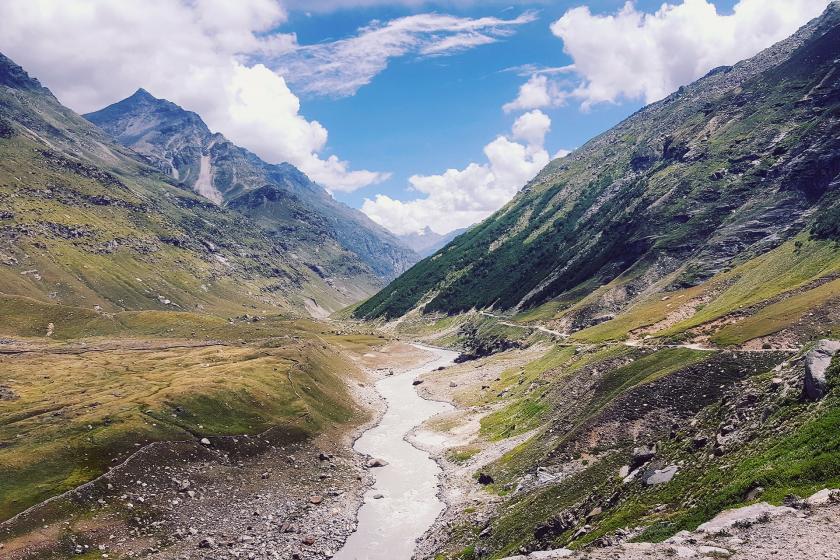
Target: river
<point>389,525</point>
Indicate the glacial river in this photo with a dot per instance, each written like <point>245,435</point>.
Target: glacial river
<point>389,525</point>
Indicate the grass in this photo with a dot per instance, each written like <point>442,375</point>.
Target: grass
<point>777,316</point>
<point>789,267</point>
<point>77,413</point>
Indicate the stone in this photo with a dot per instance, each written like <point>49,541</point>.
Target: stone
<point>745,515</point>
<point>206,543</point>
<point>485,479</point>
<point>550,554</point>
<point>316,499</point>
<point>378,496</point>
<point>816,364</point>
<point>205,441</point>
<point>375,463</point>
<point>453,384</point>
<point>661,476</point>
<point>683,552</point>
<point>823,497</point>
<point>714,551</point>
<point>417,382</point>
<point>642,455</point>
<point>308,540</point>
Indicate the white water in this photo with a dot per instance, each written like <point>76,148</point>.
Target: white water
<point>389,526</point>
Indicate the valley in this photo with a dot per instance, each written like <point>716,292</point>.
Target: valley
<point>204,355</point>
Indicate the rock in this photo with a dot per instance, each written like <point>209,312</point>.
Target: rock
<point>205,441</point>
<point>453,384</point>
<point>714,551</point>
<point>823,497</point>
<point>378,496</point>
<point>661,476</point>
<point>754,493</point>
<point>417,382</point>
<point>517,557</point>
<point>699,441</point>
<point>549,554</point>
<point>6,394</point>
<point>206,543</point>
<point>323,457</point>
<point>183,485</point>
<point>485,479</point>
<point>624,471</point>
<point>642,455</point>
<point>744,516</point>
<point>544,476</point>
<point>776,383</point>
<point>374,463</point>
<point>816,364</point>
<point>316,499</point>
<point>683,552</point>
<point>308,540</point>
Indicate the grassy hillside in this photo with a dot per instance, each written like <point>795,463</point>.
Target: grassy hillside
<point>725,169</point>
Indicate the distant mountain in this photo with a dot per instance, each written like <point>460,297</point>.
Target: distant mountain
<point>721,171</point>
<point>87,222</point>
<point>428,241</point>
<point>279,196</point>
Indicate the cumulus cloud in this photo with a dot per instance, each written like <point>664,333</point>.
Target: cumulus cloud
<point>461,197</point>
<point>339,68</point>
<point>637,55</point>
<point>200,54</point>
<point>537,93</point>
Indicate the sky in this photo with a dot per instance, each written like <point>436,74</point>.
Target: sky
<point>420,113</point>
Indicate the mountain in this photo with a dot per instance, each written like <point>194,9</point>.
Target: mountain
<point>723,170</point>
<point>87,222</point>
<point>279,196</point>
<point>650,330</point>
<point>427,241</point>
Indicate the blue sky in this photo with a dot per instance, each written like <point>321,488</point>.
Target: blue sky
<point>424,115</point>
<point>406,109</point>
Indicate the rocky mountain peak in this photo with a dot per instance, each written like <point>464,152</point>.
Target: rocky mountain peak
<point>14,76</point>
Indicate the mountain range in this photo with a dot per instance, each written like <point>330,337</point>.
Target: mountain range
<point>721,171</point>
<point>89,221</point>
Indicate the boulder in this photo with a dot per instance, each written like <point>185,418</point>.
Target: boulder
<point>816,364</point>
<point>205,441</point>
<point>661,476</point>
<point>642,455</point>
<point>823,497</point>
<point>550,554</point>
<point>744,516</point>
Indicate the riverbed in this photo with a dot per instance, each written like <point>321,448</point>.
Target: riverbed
<point>403,502</point>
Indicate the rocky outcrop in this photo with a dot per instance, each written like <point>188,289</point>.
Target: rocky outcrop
<point>817,362</point>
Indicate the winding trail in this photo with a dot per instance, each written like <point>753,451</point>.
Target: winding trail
<point>403,502</point>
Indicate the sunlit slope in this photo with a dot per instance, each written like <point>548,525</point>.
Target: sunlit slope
<point>721,171</point>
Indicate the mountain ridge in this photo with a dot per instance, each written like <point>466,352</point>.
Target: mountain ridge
<point>180,144</point>
<point>681,183</point>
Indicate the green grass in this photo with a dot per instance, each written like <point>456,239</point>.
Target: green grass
<point>777,316</point>
<point>791,266</point>
<point>77,412</point>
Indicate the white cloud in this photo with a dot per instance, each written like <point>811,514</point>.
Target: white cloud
<point>339,68</point>
<point>537,93</point>
<point>637,55</point>
<point>197,53</point>
<point>461,197</point>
